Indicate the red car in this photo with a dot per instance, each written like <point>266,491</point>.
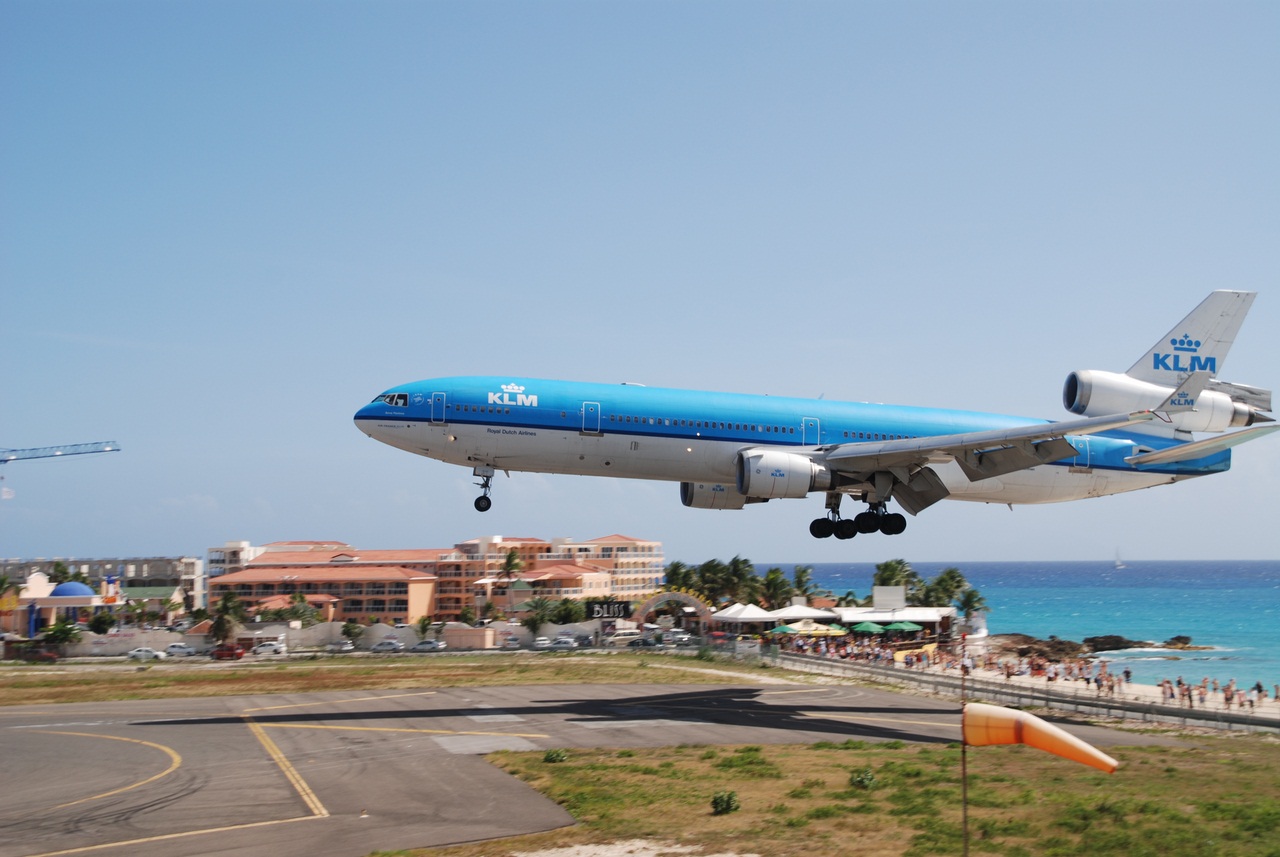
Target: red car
<point>227,652</point>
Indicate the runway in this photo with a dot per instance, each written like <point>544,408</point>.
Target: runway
<point>347,773</point>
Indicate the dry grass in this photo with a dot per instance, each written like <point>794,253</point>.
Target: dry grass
<point>27,685</point>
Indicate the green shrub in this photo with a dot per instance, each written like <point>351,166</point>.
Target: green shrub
<point>864,779</point>
<point>723,803</point>
<point>553,756</point>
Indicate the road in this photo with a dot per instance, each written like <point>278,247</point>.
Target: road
<point>347,773</point>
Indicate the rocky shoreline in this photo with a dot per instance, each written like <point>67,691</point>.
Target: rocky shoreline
<point>1056,649</point>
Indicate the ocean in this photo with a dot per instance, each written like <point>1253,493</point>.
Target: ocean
<point>1231,606</point>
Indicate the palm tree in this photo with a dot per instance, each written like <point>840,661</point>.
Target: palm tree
<point>679,576</point>
<point>540,612</point>
<point>970,601</point>
<point>62,632</point>
<point>898,572</point>
<point>228,616</point>
<point>802,581</point>
<point>944,588</point>
<point>511,565</point>
<point>776,589</point>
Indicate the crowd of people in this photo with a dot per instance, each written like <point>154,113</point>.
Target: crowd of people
<point>920,651</point>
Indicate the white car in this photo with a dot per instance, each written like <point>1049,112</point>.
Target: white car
<point>429,646</point>
<point>270,648</point>
<point>180,650</point>
<point>146,654</point>
<point>342,646</point>
<point>564,643</point>
<point>541,643</point>
<point>511,643</point>
<point>388,646</point>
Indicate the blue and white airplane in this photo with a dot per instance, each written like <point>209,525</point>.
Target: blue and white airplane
<point>728,450</point>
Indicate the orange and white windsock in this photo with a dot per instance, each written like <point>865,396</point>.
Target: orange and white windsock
<point>991,724</point>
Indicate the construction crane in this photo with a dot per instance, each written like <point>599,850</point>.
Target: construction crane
<point>7,455</point>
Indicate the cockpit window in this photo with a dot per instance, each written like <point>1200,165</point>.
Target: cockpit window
<point>396,400</point>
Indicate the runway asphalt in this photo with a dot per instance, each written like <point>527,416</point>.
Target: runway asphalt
<point>346,773</point>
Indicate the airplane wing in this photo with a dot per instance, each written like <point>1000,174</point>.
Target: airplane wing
<point>900,467</point>
<point>1189,451</point>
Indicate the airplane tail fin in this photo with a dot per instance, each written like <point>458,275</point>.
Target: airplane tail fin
<point>1199,342</point>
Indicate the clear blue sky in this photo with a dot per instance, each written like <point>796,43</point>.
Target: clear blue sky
<point>227,225</point>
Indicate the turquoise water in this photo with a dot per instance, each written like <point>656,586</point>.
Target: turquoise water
<point>1232,606</point>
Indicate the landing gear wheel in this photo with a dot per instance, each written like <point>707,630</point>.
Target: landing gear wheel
<point>867,522</point>
<point>893,524</point>
<point>822,528</point>
<point>483,504</point>
<point>846,529</point>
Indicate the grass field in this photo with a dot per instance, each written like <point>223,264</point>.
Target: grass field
<point>1212,795</point>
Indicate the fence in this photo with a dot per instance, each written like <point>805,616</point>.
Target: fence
<point>1016,694</point>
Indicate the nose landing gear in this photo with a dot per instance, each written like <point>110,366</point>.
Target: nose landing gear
<point>483,503</point>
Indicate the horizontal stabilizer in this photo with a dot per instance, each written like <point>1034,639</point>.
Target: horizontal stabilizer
<point>1200,448</point>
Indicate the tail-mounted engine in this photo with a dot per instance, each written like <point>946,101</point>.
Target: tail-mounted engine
<point>770,475</point>
<point>1093,393</point>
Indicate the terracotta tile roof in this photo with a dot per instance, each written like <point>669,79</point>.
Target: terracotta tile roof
<point>615,538</point>
<point>320,573</point>
<point>315,558</point>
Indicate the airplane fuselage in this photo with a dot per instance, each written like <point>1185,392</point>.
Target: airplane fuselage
<point>635,432</point>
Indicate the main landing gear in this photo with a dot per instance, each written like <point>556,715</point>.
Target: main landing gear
<point>875,519</point>
<point>483,503</point>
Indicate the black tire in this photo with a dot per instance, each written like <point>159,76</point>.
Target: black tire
<point>483,504</point>
<point>867,522</point>
<point>822,528</point>
<point>846,529</point>
<point>894,524</point>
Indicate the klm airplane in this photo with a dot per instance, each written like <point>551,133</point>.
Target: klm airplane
<point>1136,430</point>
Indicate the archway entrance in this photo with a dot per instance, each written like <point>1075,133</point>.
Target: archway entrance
<point>700,607</point>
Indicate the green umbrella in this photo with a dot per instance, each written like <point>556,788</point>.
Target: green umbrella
<point>904,626</point>
<point>868,628</point>
<point>835,628</point>
<point>782,629</point>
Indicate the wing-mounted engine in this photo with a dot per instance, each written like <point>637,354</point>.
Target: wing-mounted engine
<point>712,495</point>
<point>770,474</point>
<point>1220,406</point>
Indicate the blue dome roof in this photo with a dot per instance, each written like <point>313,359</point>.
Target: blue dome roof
<point>72,588</point>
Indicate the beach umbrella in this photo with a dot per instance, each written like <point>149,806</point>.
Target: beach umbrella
<point>868,628</point>
<point>903,626</point>
<point>782,629</point>
<point>836,628</point>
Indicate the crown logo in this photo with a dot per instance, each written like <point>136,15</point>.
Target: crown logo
<point>1185,343</point>
<point>512,388</point>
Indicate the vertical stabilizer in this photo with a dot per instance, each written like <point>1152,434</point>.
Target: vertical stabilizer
<point>1198,343</point>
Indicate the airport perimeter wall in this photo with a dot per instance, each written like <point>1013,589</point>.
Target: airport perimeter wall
<point>999,692</point>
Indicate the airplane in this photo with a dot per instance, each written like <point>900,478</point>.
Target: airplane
<point>730,450</point>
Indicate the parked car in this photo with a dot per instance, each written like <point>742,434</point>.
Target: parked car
<point>429,646</point>
<point>679,638</point>
<point>180,650</point>
<point>388,646</point>
<point>143,653</point>
<point>564,643</point>
<point>271,648</point>
<point>511,643</point>
<point>342,646</point>
<point>585,640</point>
<point>642,643</point>
<point>541,643</point>
<point>227,652</point>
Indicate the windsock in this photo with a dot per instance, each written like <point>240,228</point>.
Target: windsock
<point>990,724</point>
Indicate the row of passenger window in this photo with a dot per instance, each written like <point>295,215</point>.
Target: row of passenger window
<point>707,424</point>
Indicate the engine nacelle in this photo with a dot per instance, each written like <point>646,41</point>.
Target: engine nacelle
<point>769,474</point>
<point>1093,393</point>
<point>711,495</point>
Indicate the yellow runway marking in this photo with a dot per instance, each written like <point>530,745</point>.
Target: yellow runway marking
<point>394,729</point>
<point>175,761</point>
<point>304,790</point>
<point>164,836</point>
<point>331,702</point>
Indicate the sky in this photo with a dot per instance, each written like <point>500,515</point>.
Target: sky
<point>226,226</point>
